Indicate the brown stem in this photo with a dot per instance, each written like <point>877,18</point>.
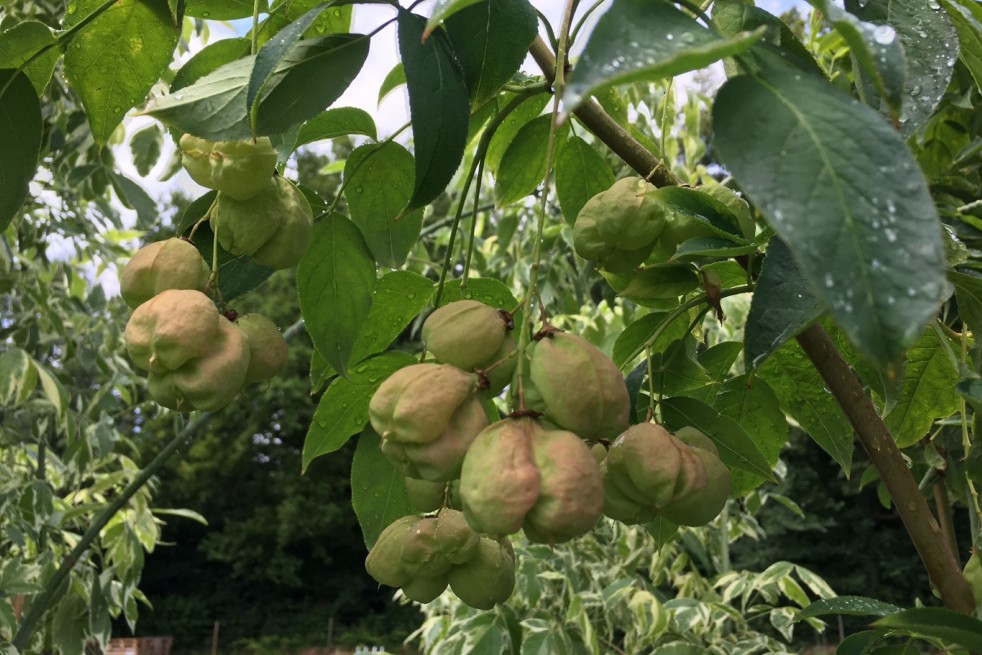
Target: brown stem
<point>924,531</point>
<point>942,506</point>
<point>607,129</point>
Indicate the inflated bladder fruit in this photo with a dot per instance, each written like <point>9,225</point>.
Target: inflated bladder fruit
<point>475,337</point>
<point>267,347</point>
<point>428,415</point>
<point>195,357</point>
<point>650,472</point>
<point>273,227</point>
<point>425,496</point>
<point>618,227</point>
<point>238,169</point>
<point>518,475</point>
<point>168,264</point>
<point>421,554</point>
<point>577,386</point>
<point>487,578</point>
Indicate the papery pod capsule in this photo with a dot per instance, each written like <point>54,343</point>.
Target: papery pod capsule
<point>416,403</point>
<point>465,333</point>
<point>267,348</point>
<point>172,328</point>
<point>703,506</point>
<point>502,366</point>
<point>209,382</point>
<point>440,460</point>
<point>425,496</point>
<point>579,387</point>
<point>571,492</point>
<point>425,589</point>
<point>456,539</point>
<point>619,227</point>
<point>421,555</point>
<point>499,480</point>
<point>273,227</point>
<point>162,265</point>
<point>384,561</point>
<point>644,464</point>
<point>486,579</point>
<point>239,169</point>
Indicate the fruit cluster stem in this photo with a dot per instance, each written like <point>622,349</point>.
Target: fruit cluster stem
<point>924,531</point>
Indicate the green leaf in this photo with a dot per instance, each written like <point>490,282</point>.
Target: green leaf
<point>313,74</point>
<point>343,409</point>
<point>399,297</point>
<point>133,196</point>
<point>208,60</point>
<point>968,292</point>
<point>732,17</point>
<point>581,173</point>
<point>336,20</point>
<point>222,9</point>
<point>20,141</point>
<point>375,207</point>
<point>641,333</point>
<point>269,57</point>
<point>395,78</point>
<point>236,275</point>
<point>117,58</point>
<point>641,40</point>
<point>335,280</point>
<point>719,359</point>
<point>782,305</point>
<point>68,624</point>
<point>662,530</point>
<point>509,128</point>
<point>803,396</point>
<point>736,448</point>
<point>333,123</point>
<point>442,10</point>
<point>700,247</point>
<point>438,106</point>
<point>491,40</point>
<point>524,165</point>
<point>927,393</point>
<point>23,41</point>
<point>487,290</point>
<point>702,207</point>
<point>844,193</point>
<point>966,16</point>
<point>859,643</point>
<point>18,377</point>
<point>754,406</point>
<point>937,622</point>
<point>875,47</point>
<point>378,490</point>
<point>675,371</point>
<point>851,605</point>
<point>145,148</point>
<point>660,282</point>
<point>930,47</point>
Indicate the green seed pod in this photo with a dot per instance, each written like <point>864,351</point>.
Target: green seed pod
<point>703,506</point>
<point>501,375</point>
<point>238,169</point>
<point>425,496</point>
<point>425,589</point>
<point>487,578</point>
<point>384,562</point>
<point>455,539</point>
<point>465,333</point>
<point>579,387</point>
<point>273,227</point>
<point>416,403</point>
<point>499,481</point>
<point>209,382</point>
<point>267,347</point>
<point>421,555</point>
<point>156,267</point>
<point>618,227</point>
<point>644,464</point>
<point>440,460</point>
<point>571,491</point>
<point>170,329</point>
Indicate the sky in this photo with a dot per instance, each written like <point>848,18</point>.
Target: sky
<point>391,114</point>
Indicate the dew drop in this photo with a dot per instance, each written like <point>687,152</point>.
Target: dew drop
<point>884,34</point>
<point>669,36</point>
